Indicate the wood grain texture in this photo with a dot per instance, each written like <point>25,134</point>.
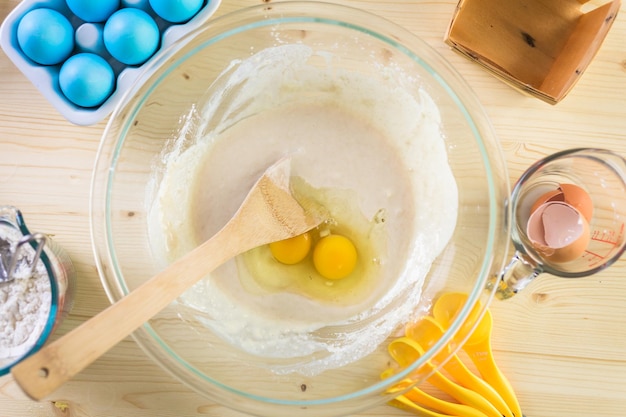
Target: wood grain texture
<point>561,343</point>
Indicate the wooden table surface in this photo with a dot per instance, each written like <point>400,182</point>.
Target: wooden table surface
<point>562,343</point>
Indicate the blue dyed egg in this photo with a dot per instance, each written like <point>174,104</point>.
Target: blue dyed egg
<point>86,79</point>
<point>93,10</point>
<point>176,11</point>
<point>45,36</point>
<point>131,36</point>
<point>138,4</point>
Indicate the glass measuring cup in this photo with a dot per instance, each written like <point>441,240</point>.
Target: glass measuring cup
<point>602,174</point>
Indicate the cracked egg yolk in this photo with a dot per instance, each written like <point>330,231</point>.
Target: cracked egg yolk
<point>293,250</point>
<point>334,257</point>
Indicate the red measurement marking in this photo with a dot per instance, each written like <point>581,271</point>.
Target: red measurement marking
<point>595,255</point>
<point>601,236</point>
<point>607,237</point>
<point>593,259</point>
<point>611,238</point>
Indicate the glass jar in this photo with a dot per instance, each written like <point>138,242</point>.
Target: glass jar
<point>37,284</point>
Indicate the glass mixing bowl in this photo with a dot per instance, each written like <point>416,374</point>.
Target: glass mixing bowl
<point>195,90</point>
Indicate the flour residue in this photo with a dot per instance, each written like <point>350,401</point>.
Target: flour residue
<point>371,138</point>
<point>24,301</point>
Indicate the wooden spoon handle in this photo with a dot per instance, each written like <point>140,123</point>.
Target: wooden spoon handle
<point>269,213</point>
<point>43,372</point>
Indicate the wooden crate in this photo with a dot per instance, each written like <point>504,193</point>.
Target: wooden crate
<point>541,47</point>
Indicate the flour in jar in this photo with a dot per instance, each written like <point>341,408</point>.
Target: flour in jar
<point>24,302</point>
<point>370,140</point>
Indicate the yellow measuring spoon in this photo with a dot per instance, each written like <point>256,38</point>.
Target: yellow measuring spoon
<point>478,345</point>
<point>405,351</point>
<point>418,398</point>
<point>427,331</point>
<point>409,405</point>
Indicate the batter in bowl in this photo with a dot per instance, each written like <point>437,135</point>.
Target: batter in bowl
<point>368,150</point>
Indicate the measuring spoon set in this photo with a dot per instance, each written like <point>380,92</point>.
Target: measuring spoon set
<point>488,394</point>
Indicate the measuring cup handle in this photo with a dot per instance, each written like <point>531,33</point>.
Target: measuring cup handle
<point>515,276</point>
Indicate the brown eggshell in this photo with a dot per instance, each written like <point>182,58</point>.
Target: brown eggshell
<point>578,198</point>
<point>550,224</point>
<point>554,195</point>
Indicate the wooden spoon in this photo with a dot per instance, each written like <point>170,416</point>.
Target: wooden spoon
<point>268,214</point>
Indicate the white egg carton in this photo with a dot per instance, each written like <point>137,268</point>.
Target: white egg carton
<point>45,78</point>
